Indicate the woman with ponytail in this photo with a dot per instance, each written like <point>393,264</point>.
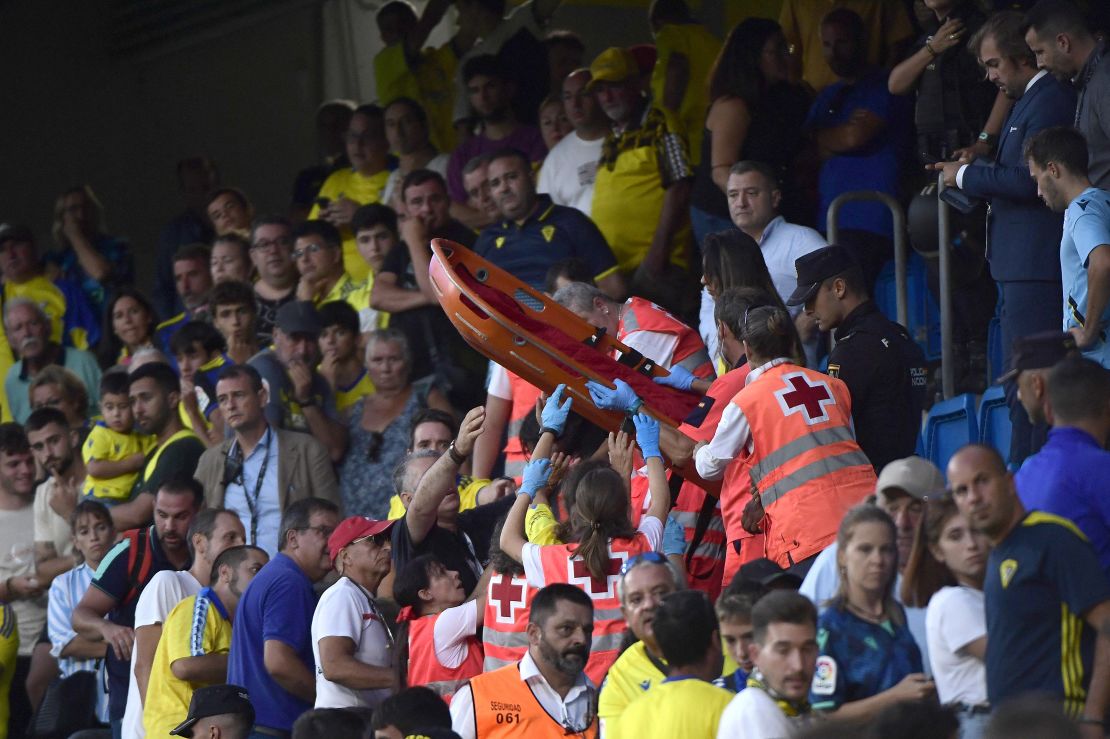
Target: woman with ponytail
<point>785,449</point>
<point>601,540</point>
<point>439,646</point>
<point>945,571</point>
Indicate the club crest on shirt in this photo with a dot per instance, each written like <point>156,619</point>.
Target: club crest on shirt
<point>548,233</point>
<point>824,677</point>
<point>1006,571</point>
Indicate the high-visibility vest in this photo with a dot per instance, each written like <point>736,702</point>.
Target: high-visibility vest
<point>505,625</point>
<point>689,352</point>
<point>425,668</point>
<point>561,565</point>
<point>805,462</point>
<point>504,706</point>
<point>525,395</point>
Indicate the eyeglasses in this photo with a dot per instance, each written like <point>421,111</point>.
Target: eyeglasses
<point>378,540</point>
<point>324,531</point>
<point>654,558</point>
<point>310,249</point>
<point>267,244</point>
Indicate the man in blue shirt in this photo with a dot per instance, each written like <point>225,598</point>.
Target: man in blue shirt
<point>1058,163</point>
<point>534,233</point>
<point>1068,477</point>
<point>1047,599</point>
<point>271,643</point>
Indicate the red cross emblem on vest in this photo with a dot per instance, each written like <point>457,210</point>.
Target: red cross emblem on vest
<point>506,595</point>
<point>579,574</point>
<point>809,400</point>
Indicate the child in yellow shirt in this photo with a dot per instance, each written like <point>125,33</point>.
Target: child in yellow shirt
<point>114,454</point>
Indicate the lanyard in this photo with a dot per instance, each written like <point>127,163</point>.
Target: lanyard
<point>374,610</point>
<point>252,502</point>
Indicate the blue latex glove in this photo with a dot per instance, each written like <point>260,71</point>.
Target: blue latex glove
<point>680,378</point>
<point>555,411</point>
<point>535,476</point>
<point>622,398</point>
<point>647,435</point>
<point>674,537</point>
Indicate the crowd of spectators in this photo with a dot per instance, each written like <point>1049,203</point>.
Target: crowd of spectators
<point>278,495</point>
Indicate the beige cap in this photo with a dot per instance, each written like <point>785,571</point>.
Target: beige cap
<point>915,475</point>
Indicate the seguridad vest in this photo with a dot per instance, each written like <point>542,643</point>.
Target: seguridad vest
<point>425,668</point>
<point>690,352</point>
<point>525,395</point>
<point>561,565</point>
<point>505,625</point>
<point>804,461</point>
<point>504,706</point>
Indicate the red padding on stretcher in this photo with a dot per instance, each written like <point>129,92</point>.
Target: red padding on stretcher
<point>675,404</point>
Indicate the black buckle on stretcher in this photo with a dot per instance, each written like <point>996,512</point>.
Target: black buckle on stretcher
<point>637,361</point>
<point>596,337</point>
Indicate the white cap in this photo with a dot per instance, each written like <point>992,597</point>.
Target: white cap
<point>915,476</point>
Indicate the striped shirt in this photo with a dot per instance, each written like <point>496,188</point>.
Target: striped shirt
<point>66,592</point>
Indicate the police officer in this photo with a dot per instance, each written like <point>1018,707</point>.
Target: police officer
<point>875,357</point>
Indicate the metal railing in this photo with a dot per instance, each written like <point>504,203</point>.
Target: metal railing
<point>947,370</point>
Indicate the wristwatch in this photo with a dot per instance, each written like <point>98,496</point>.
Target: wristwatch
<point>456,456</point>
<point>988,138</point>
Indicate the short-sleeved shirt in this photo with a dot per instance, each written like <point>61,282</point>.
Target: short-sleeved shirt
<point>677,706</point>
<point>754,714</point>
<point>347,610</point>
<point>859,659</point>
<point>17,559</point>
<point>197,626</point>
<point>874,166</point>
<point>1086,228</point>
<point>1041,579</point>
<point>524,137</point>
<point>267,315</point>
<point>570,170</point>
<point>632,675</point>
<point>550,234</point>
<point>1067,477</point>
<point>114,579</point>
<point>277,605</point>
<point>465,550</point>
<point>283,411</point>
<point>350,184</point>
<point>955,618</point>
<point>176,459</point>
<point>49,526</point>
<point>105,445</point>
<point>66,592</point>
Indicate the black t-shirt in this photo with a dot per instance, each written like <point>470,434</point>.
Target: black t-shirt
<point>465,550</point>
<point>885,373</point>
<point>267,316</point>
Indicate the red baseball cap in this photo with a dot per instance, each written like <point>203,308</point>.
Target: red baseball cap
<point>351,530</point>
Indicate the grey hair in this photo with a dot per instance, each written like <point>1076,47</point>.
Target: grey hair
<point>579,297</point>
<point>146,355</point>
<point>676,575</point>
<point>402,479</point>
<point>25,303</point>
<point>392,335</point>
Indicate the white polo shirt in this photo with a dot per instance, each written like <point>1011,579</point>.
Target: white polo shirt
<point>346,609</point>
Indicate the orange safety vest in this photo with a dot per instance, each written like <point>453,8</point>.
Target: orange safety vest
<point>525,395</point>
<point>804,459</point>
<point>425,668</point>
<point>689,352</point>
<point>561,565</point>
<point>504,706</point>
<point>505,625</point>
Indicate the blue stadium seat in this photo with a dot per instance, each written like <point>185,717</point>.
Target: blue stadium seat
<point>924,315</point>
<point>994,421</point>
<point>951,424</point>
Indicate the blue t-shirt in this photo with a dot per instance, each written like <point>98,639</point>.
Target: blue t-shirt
<point>1040,581</point>
<point>1068,477</point>
<point>1086,227</point>
<point>872,167</point>
<point>550,235</point>
<point>278,604</point>
<point>859,659</point>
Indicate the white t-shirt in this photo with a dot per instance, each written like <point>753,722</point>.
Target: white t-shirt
<point>569,172</point>
<point>438,163</point>
<point>499,384</point>
<point>345,609</point>
<point>956,617</point>
<point>650,526</point>
<point>17,559</point>
<point>451,631</point>
<point>164,591</point>
<point>822,581</point>
<point>49,526</point>
<point>753,714</point>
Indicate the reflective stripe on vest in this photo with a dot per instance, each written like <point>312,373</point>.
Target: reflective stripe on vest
<point>505,620</point>
<point>812,471</point>
<point>781,456</point>
<point>689,351</point>
<point>504,706</point>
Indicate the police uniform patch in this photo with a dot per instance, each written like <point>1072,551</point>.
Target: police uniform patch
<point>1006,571</point>
<point>824,677</point>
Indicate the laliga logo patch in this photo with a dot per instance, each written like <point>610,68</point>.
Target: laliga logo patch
<point>824,678</point>
<point>1006,571</point>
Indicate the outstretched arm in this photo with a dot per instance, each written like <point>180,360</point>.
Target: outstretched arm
<point>439,480</point>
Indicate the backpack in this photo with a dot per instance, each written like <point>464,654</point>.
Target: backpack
<point>140,561</point>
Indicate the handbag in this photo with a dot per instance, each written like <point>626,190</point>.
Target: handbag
<point>69,705</point>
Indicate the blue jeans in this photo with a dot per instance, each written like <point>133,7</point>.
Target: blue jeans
<point>704,224</point>
<point>973,725</point>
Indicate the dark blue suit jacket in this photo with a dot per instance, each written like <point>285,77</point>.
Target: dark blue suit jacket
<point>1024,234</point>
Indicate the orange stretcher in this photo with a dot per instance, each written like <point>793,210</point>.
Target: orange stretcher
<point>527,332</point>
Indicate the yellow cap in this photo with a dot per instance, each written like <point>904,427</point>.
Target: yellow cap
<point>612,65</point>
